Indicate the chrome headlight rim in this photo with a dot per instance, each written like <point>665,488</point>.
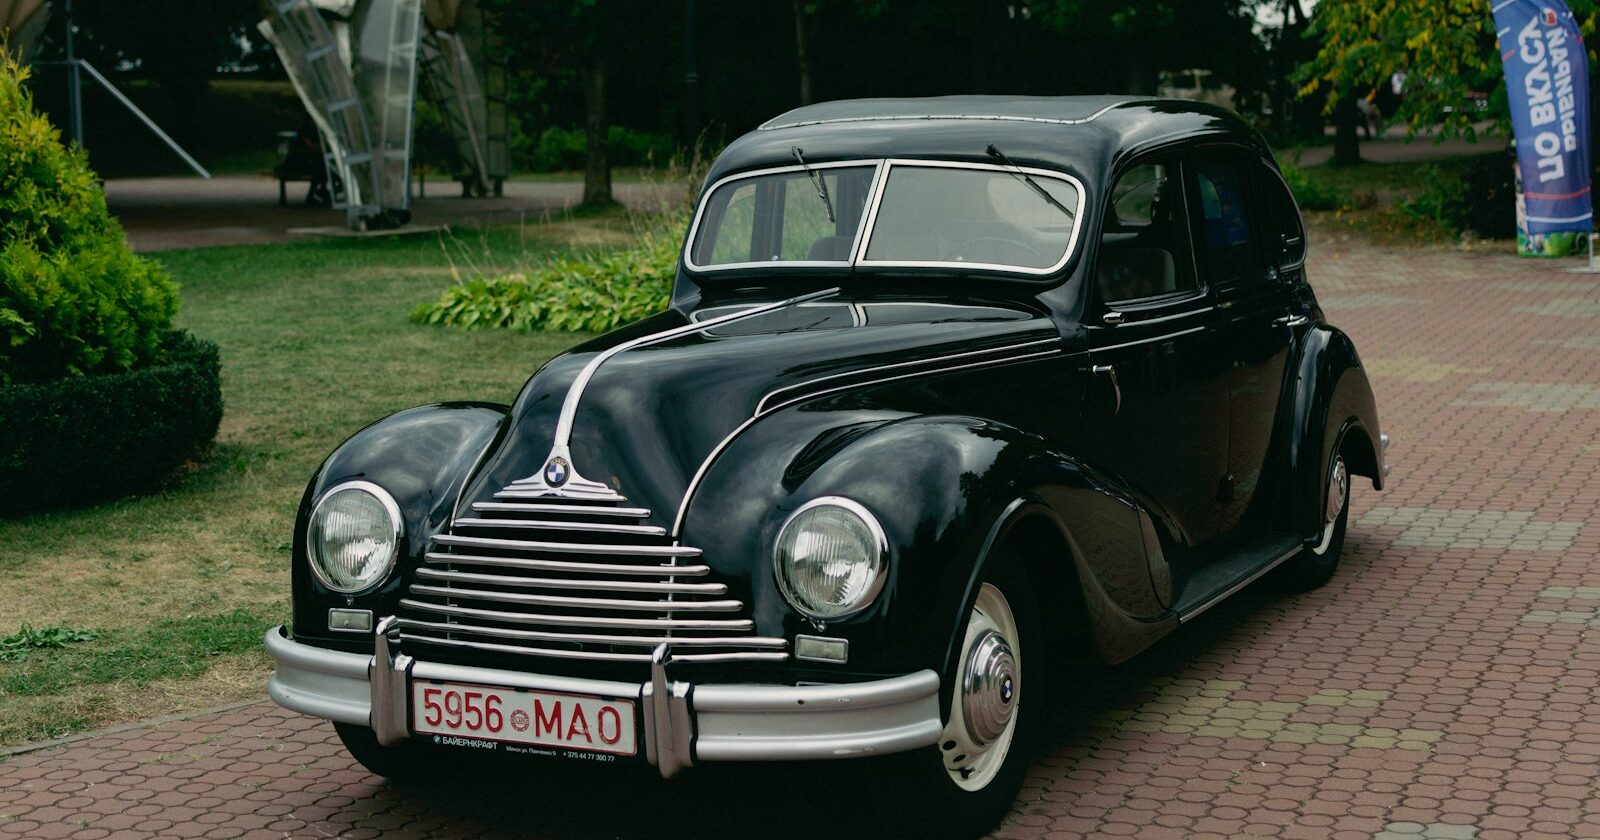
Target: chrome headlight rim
<point>880,545</point>
<point>396,531</point>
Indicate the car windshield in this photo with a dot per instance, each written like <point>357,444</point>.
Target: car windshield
<point>917,214</point>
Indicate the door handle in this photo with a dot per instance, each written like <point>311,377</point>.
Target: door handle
<point>1116,387</point>
<point>1292,321</point>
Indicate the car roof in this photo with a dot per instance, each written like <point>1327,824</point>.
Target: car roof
<point>1085,135</point>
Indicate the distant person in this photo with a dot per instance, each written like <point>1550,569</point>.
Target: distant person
<point>308,147</point>
<point>1371,117</point>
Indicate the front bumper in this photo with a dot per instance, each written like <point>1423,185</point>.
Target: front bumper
<point>683,724</point>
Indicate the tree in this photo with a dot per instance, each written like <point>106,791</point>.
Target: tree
<point>1445,48</point>
<point>573,43</point>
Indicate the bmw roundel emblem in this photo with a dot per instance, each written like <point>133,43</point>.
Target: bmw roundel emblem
<point>556,472</point>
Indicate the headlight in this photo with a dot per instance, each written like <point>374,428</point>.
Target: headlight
<point>830,558</point>
<point>354,536</point>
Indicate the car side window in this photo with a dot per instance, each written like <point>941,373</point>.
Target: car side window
<point>1227,243</point>
<point>1285,236</point>
<point>1145,248</point>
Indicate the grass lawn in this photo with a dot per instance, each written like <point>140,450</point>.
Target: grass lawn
<point>177,586</point>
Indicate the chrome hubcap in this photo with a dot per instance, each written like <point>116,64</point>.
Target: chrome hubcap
<point>990,688</point>
<point>1338,495</point>
<point>983,712</point>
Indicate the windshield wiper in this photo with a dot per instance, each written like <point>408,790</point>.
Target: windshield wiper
<point>816,181</point>
<point>1018,173</point>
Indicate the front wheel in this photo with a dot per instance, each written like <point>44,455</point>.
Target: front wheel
<point>967,783</point>
<point>402,762</point>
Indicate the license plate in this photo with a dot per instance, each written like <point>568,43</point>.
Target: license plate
<point>541,718</point>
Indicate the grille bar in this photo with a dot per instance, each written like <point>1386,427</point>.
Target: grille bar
<point>723,625</point>
<point>568,548</point>
<point>595,638</point>
<point>562,572</point>
<point>566,601</point>
<point>548,525</point>
<point>582,510</point>
<point>746,656</point>
<point>565,583</point>
<point>568,566</point>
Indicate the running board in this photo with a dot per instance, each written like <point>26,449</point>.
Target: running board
<point>1223,578</point>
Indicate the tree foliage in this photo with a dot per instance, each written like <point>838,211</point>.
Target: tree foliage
<point>1446,48</point>
<point>74,300</point>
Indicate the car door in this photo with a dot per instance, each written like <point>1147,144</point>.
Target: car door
<point>1233,222</point>
<point>1157,414</point>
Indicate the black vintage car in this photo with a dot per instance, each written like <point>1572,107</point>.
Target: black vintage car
<point>950,391</point>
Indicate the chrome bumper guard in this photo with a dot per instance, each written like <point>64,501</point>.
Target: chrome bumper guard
<point>1383,453</point>
<point>684,724</point>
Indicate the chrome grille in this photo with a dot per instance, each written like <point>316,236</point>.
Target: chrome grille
<point>574,576</point>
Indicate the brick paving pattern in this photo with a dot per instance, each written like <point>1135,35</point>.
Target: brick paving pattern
<point>1444,685</point>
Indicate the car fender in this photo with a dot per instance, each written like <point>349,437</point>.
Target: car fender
<point>421,457</point>
<point>945,489</point>
<point>1332,397</point>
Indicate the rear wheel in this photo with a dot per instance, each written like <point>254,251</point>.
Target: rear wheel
<point>967,783</point>
<point>1315,564</point>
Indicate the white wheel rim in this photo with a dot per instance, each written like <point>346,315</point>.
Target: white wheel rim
<point>989,686</point>
<point>1338,495</point>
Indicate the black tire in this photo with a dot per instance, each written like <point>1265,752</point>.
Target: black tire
<point>1315,564</point>
<point>935,803</point>
<point>402,762</point>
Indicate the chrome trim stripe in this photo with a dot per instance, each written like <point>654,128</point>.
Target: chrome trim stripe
<point>882,189</point>
<point>705,465</point>
<point>1187,314</point>
<point>665,624</point>
<point>555,525</point>
<point>774,125</point>
<point>575,603</point>
<point>597,638</point>
<point>580,510</point>
<point>761,406</point>
<point>569,548</point>
<point>574,583</point>
<point>1223,595</point>
<point>567,565</point>
<point>1165,337</point>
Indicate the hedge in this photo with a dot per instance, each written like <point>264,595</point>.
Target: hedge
<point>82,438</point>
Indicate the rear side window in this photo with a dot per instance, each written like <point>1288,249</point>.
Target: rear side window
<point>1284,240</point>
<point>1227,241</point>
<point>1145,249</point>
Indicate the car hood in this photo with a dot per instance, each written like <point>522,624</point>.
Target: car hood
<point>649,416</point>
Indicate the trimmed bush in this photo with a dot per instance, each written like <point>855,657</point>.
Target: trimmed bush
<point>593,293</point>
<point>81,438</point>
<point>74,299</point>
<point>1311,193</point>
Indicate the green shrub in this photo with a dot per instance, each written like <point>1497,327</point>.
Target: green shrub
<point>592,293</point>
<point>1475,193</point>
<point>1312,193</point>
<point>566,149</point>
<point>74,299</point>
<point>80,438</point>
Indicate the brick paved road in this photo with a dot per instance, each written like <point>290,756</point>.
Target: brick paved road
<point>1444,685</point>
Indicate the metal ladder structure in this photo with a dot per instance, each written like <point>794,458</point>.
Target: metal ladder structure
<point>464,66</point>
<point>357,79</point>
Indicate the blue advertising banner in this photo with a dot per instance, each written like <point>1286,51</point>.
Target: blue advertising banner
<point>1547,79</point>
